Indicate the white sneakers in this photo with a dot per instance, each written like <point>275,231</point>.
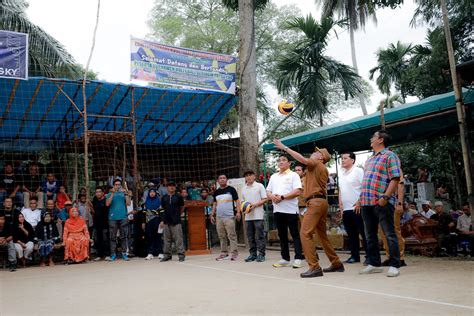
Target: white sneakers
<point>282,263</point>
<point>392,271</point>
<point>149,257</point>
<point>297,264</point>
<point>161,256</point>
<point>371,269</point>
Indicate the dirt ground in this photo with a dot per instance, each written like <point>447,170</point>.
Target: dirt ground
<point>202,285</point>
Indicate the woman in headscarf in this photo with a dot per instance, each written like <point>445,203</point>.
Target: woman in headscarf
<point>23,236</point>
<point>46,236</point>
<point>153,238</point>
<point>76,238</point>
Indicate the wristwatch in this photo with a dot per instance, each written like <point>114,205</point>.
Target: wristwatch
<point>282,197</point>
<point>385,197</point>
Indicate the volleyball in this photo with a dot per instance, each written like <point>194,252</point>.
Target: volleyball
<point>285,107</point>
<point>246,207</point>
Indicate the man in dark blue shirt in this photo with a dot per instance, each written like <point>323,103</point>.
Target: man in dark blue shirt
<point>173,205</point>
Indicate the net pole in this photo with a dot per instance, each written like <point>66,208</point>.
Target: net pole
<point>135,152</point>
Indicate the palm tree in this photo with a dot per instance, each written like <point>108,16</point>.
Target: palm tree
<point>392,63</point>
<point>390,102</point>
<point>306,69</point>
<point>357,13</point>
<point>47,57</point>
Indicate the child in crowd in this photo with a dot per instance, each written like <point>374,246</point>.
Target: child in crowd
<point>62,197</point>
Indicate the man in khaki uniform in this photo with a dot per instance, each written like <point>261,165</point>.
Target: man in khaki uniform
<point>317,209</point>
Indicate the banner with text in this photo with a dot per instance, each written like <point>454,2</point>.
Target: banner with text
<point>184,67</point>
<point>13,55</point>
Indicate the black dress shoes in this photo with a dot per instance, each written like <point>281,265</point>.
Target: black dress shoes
<point>351,260</point>
<point>312,273</point>
<point>333,268</point>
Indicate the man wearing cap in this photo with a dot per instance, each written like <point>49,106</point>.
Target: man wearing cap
<point>254,193</point>
<point>377,199</point>
<point>314,220</point>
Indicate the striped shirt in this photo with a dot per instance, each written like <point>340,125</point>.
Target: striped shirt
<point>379,170</point>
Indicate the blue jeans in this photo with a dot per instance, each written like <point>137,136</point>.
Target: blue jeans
<point>18,200</point>
<point>374,216</point>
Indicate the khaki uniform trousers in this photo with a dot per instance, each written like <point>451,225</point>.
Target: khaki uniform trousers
<point>314,221</point>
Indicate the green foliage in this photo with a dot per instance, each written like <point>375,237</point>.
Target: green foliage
<point>208,25</point>
<point>392,4</point>
<point>392,63</point>
<point>307,70</point>
<point>443,158</point>
<point>461,18</point>
<point>47,57</point>
<point>428,71</point>
<point>234,4</point>
<point>356,12</point>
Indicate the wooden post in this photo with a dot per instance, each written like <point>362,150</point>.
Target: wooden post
<point>135,154</point>
<point>84,97</point>
<point>460,109</point>
<point>382,114</point>
<point>76,174</point>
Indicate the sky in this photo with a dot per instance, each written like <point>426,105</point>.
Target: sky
<point>72,24</point>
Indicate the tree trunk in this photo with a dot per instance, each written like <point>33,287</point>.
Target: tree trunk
<point>248,95</point>
<point>354,64</point>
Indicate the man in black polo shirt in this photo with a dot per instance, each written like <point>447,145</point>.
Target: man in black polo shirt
<point>173,205</point>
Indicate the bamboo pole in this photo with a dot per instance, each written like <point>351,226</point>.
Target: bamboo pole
<point>84,97</point>
<point>135,153</point>
<point>460,109</point>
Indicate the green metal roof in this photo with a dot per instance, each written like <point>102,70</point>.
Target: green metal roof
<point>431,117</point>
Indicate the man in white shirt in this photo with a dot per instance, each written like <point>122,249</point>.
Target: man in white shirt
<point>32,214</point>
<point>254,193</point>
<point>283,190</point>
<point>426,209</point>
<point>350,182</point>
<point>464,227</point>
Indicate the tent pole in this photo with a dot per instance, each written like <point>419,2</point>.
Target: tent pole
<point>460,108</point>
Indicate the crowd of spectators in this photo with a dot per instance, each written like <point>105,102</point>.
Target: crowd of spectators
<point>39,218</point>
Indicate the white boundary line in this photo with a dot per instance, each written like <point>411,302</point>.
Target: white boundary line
<point>333,286</point>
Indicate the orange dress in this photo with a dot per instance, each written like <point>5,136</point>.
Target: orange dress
<point>76,237</point>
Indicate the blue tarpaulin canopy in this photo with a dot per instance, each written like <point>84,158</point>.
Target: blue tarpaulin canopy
<point>431,117</point>
<point>38,110</point>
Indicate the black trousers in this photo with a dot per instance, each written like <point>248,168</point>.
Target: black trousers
<point>101,242</point>
<point>284,222</point>
<point>354,226</point>
<point>256,237</point>
<point>384,216</point>
<point>154,242</point>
